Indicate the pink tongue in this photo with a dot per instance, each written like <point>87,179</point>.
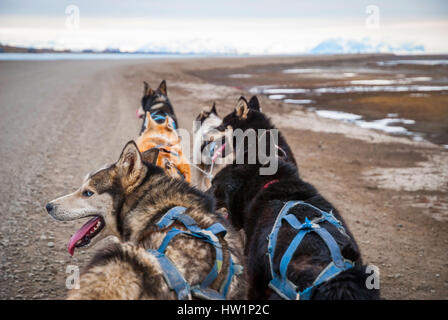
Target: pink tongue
<point>139,115</point>
<point>218,152</point>
<point>81,233</point>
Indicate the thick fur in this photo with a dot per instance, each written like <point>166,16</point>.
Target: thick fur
<point>240,189</point>
<point>156,100</point>
<point>163,136</point>
<point>205,132</point>
<point>248,116</point>
<point>139,194</point>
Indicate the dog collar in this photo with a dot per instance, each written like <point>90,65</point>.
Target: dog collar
<point>270,182</point>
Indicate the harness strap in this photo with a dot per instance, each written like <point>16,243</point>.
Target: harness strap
<point>173,277</point>
<point>232,270</point>
<point>168,218</point>
<point>272,238</point>
<point>282,285</point>
<point>329,217</point>
<point>207,235</point>
<point>177,214</point>
<point>308,226</point>
<point>161,148</point>
<point>157,116</point>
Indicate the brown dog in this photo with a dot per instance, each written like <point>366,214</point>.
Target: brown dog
<point>162,136</point>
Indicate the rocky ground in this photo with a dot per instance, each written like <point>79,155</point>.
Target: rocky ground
<point>59,120</point>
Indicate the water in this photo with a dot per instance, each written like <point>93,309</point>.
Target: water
<point>92,56</point>
<point>348,89</point>
<point>426,62</point>
<point>387,125</point>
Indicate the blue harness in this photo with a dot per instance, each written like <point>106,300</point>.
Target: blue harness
<point>156,115</point>
<point>280,283</point>
<point>173,277</point>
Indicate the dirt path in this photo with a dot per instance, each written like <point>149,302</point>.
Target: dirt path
<point>60,120</point>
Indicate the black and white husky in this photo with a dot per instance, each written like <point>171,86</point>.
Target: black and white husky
<point>211,150</point>
<point>157,103</point>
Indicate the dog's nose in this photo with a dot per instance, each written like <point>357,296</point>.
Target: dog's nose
<point>49,207</point>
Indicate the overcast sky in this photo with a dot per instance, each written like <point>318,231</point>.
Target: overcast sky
<point>421,9</point>
<point>251,26</point>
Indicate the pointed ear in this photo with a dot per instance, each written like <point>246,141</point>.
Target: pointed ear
<point>254,104</point>
<point>151,156</point>
<point>147,91</point>
<point>163,88</point>
<point>130,166</point>
<point>150,122</point>
<point>213,110</point>
<point>242,109</point>
<point>167,123</point>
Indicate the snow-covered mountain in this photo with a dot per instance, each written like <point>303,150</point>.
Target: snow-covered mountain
<point>226,47</point>
<point>340,46</point>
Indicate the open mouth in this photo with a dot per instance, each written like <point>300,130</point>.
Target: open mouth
<point>215,150</point>
<point>85,234</point>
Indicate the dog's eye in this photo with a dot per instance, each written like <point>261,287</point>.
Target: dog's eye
<point>87,193</point>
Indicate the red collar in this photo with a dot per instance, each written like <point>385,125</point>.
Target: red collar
<point>270,182</point>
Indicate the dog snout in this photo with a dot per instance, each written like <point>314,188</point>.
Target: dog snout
<point>49,207</point>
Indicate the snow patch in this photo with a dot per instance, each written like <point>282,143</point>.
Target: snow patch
<point>298,101</point>
<point>276,96</point>
<point>338,115</point>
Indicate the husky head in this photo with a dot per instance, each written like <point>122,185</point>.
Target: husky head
<point>152,97</point>
<point>228,187</point>
<point>102,195</point>
<point>157,133</point>
<point>244,114</point>
<point>210,144</point>
<point>207,119</point>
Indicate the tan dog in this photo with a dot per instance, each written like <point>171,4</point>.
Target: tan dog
<point>127,199</point>
<point>163,137</point>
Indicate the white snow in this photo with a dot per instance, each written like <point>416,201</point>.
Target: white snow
<point>298,101</point>
<point>285,91</point>
<point>384,125</point>
<point>240,76</point>
<point>338,115</point>
<point>276,96</point>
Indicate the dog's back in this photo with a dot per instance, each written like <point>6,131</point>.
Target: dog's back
<point>127,271</point>
<point>122,271</point>
<point>254,203</point>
